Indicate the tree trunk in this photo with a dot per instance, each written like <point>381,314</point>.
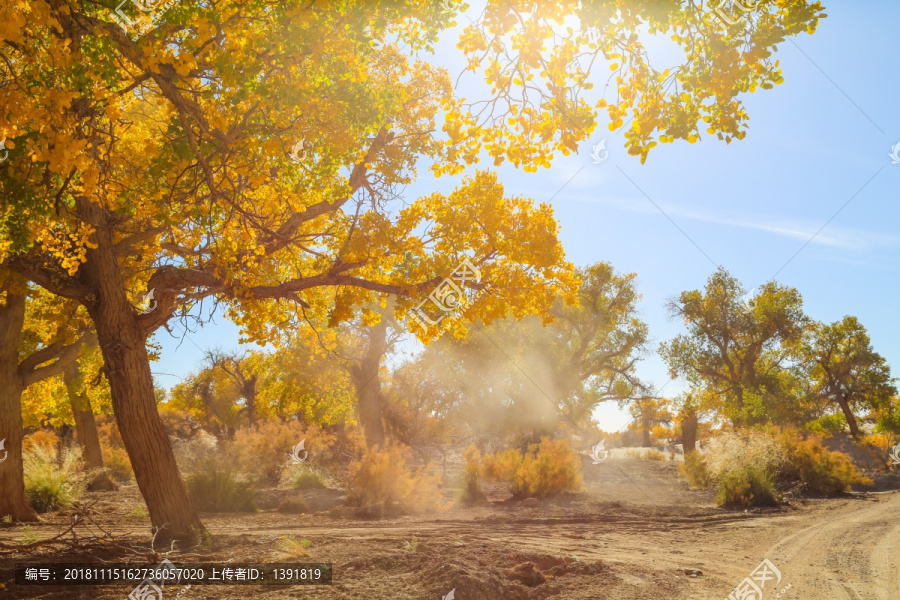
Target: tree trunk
<point>12,473</point>
<point>86,429</point>
<point>364,375</point>
<point>689,431</point>
<point>249,393</point>
<point>645,425</point>
<point>848,414</point>
<point>127,366</point>
<point>371,403</point>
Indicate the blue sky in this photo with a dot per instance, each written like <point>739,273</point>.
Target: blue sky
<point>816,153</point>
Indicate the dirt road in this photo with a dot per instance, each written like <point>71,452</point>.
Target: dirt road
<point>635,534</point>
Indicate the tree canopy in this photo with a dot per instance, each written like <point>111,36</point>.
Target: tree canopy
<point>158,159</point>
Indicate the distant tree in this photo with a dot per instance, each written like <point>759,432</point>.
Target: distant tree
<point>846,371</point>
<point>210,397</point>
<point>597,341</point>
<point>242,369</point>
<point>648,412</point>
<point>525,374</point>
<point>744,351</point>
<point>86,425</point>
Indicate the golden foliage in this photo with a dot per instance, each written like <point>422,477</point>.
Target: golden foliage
<point>264,449</point>
<point>383,479</point>
<point>545,470</point>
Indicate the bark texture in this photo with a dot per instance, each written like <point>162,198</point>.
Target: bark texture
<point>689,431</point>
<point>848,414</point>
<point>12,474</point>
<point>124,349</point>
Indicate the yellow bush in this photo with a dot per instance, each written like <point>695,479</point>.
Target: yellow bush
<point>43,438</point>
<point>816,468</point>
<point>382,479</point>
<point>653,454</point>
<point>265,448</point>
<point>650,454</point>
<point>473,471</point>
<point>545,470</point>
<point>112,448</point>
<point>116,462</point>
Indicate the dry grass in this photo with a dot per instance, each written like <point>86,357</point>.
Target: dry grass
<point>290,547</point>
<point>53,481</point>
<point>744,468</point>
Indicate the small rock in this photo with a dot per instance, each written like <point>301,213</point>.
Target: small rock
<point>693,572</point>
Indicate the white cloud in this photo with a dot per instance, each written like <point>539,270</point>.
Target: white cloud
<point>832,236</point>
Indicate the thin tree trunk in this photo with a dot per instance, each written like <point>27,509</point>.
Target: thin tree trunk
<point>12,474</point>
<point>645,425</point>
<point>848,414</point>
<point>249,392</point>
<point>86,429</point>
<point>127,365</point>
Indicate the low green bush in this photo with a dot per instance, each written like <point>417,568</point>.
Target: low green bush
<point>828,425</point>
<point>213,476</point>
<point>218,487</point>
<point>743,467</point>
<point>747,487</point>
<point>303,477</point>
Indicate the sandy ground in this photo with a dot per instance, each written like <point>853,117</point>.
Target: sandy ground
<point>636,533</point>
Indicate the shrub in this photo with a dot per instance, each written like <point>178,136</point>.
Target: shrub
<point>694,471</point>
<point>382,478</point>
<point>653,454</point>
<point>294,505</point>
<point>53,482</point>
<point>748,487</point>
<point>30,536</point>
<point>472,474</point>
<point>744,468</point>
<point>112,448</point>
<point>45,438</point>
<point>650,454</point>
<point>733,452</point>
<point>750,469</point>
<point>815,468</point>
<point>302,477</point>
<point>544,470</point>
<point>889,422</point>
<point>138,512</point>
<point>213,479</point>
<point>266,447</point>
<point>881,444</point>
<point>290,547</point>
<point>218,487</point>
<point>411,546</point>
<point>828,425</point>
